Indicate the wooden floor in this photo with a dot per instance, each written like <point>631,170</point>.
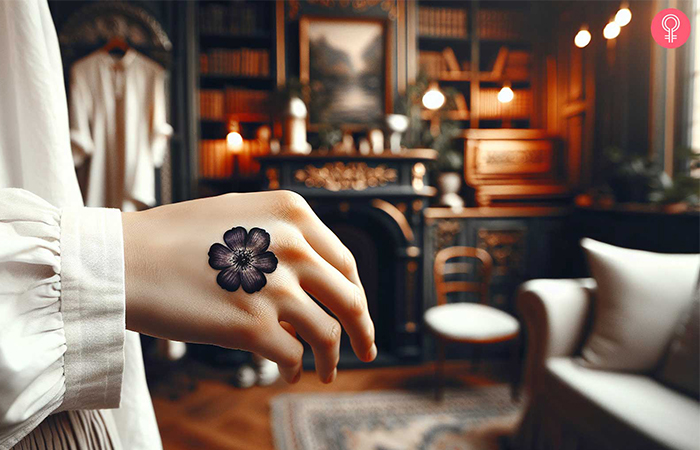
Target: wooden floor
<point>218,416</point>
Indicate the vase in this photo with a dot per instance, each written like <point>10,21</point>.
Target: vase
<point>449,184</point>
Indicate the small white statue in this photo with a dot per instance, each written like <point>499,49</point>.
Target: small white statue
<point>397,124</point>
<point>295,127</point>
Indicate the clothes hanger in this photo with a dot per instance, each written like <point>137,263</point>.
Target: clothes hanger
<point>116,45</point>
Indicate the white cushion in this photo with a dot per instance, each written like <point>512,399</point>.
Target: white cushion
<point>470,321</point>
<point>639,300</point>
<point>626,407</point>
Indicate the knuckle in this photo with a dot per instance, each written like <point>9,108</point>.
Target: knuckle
<point>293,204</point>
<point>357,305</point>
<point>349,263</point>
<point>332,336</point>
<point>295,248</point>
<point>292,357</point>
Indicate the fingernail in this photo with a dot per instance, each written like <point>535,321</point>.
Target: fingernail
<point>372,353</point>
<point>331,377</point>
<point>297,377</point>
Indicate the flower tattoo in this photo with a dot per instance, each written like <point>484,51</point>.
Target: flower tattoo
<point>244,259</point>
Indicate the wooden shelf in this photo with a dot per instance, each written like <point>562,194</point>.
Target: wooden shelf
<point>241,117</point>
<point>451,115</point>
<point>256,35</point>
<point>431,38</point>
<point>227,76</point>
<point>483,76</point>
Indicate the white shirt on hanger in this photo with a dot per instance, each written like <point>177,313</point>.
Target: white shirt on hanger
<point>118,119</point>
<point>63,342</point>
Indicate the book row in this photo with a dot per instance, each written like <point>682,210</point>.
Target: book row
<point>442,22</point>
<point>217,160</point>
<point>240,62</point>
<point>232,19</point>
<point>217,104</point>
<point>518,108</point>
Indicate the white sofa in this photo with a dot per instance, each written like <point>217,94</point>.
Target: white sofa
<point>573,407</point>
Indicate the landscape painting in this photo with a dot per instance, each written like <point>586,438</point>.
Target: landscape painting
<point>344,62</point>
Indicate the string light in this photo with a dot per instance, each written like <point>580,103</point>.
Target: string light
<point>611,30</point>
<point>583,37</point>
<point>433,99</point>
<point>506,94</point>
<point>624,15</point>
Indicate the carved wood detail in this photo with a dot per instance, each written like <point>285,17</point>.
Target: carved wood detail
<point>506,247</point>
<point>339,176</point>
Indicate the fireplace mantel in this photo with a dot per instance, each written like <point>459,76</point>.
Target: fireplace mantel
<point>354,175</point>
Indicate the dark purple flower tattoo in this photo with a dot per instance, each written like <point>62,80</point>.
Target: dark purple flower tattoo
<point>244,259</point>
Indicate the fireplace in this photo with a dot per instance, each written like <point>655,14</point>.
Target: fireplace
<point>375,206</point>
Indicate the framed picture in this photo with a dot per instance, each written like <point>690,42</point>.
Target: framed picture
<point>346,63</point>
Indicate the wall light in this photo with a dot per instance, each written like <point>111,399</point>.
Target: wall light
<point>624,15</point>
<point>583,37</point>
<point>611,30</point>
<point>433,99</point>
<point>234,142</point>
<point>506,94</point>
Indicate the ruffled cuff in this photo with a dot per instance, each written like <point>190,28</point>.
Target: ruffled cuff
<point>93,307</point>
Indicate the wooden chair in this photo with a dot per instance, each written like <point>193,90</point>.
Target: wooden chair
<point>473,323</point>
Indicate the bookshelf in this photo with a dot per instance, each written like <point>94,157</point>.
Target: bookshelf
<point>477,48</point>
<point>235,81</point>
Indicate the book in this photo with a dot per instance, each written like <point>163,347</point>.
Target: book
<point>442,22</point>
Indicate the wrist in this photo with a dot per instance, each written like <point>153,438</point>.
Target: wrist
<point>135,268</point>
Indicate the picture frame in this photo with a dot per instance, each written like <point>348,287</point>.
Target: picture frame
<point>346,64</point>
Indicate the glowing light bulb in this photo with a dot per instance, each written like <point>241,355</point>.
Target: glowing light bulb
<point>234,141</point>
<point>433,99</point>
<point>623,16</point>
<point>505,95</point>
<point>611,30</point>
<point>582,38</point>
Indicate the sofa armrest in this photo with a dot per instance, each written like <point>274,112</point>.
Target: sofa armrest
<point>555,314</point>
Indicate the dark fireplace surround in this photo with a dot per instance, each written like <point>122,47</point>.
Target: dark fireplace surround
<point>375,205</point>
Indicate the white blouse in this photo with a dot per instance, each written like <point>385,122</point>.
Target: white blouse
<point>63,343</point>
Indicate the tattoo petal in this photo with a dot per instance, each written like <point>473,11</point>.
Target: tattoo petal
<point>219,256</point>
<point>258,241</point>
<point>252,280</point>
<point>235,238</point>
<point>229,279</point>
<point>267,262</point>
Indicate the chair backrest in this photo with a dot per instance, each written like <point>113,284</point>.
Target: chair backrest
<point>443,287</point>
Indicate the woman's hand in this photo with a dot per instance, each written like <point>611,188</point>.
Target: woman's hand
<point>172,292</point>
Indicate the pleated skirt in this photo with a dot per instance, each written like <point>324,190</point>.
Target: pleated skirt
<point>73,430</point>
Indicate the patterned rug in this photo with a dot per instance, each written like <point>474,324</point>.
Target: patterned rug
<point>474,419</point>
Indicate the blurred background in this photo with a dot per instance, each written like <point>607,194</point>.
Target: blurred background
<point>513,128</point>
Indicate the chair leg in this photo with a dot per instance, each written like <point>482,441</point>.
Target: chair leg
<point>515,369</point>
<point>439,369</point>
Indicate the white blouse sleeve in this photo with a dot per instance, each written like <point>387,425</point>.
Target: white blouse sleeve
<point>62,322</point>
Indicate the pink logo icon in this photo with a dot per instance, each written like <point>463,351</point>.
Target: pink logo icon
<point>670,28</point>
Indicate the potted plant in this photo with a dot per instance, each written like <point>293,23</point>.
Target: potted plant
<point>439,135</point>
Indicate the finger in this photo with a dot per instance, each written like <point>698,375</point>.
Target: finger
<point>280,346</point>
<point>331,248</point>
<point>290,373</point>
<point>345,299</point>
<point>317,328</point>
